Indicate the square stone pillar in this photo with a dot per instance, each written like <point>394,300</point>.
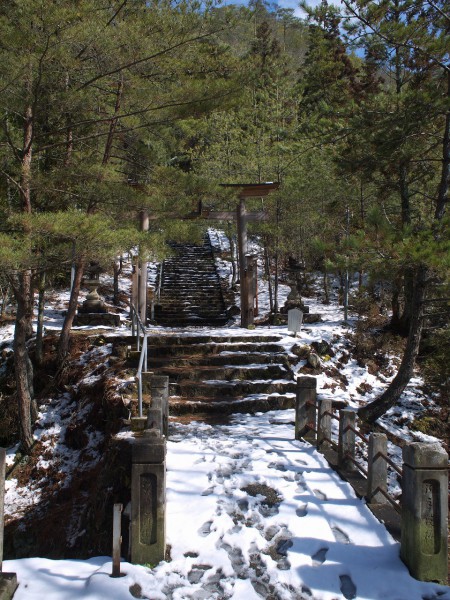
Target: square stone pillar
<point>148,499</point>
<point>305,409</point>
<point>158,413</point>
<point>424,541</point>
<point>8,581</point>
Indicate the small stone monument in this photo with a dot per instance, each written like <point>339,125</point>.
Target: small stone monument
<point>148,498</point>
<point>295,317</point>
<point>93,310</point>
<point>424,544</point>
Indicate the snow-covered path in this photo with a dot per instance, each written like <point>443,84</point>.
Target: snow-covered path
<point>252,514</point>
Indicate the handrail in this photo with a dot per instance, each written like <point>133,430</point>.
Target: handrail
<point>138,329</point>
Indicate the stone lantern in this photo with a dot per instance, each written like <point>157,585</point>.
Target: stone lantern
<point>93,302</point>
<point>93,310</point>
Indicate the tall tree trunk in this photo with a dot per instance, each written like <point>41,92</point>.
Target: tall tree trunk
<point>117,266</point>
<point>22,361</point>
<point>64,338</point>
<point>114,121</point>
<point>234,266</point>
<point>268,275</point>
<point>391,395</point>
<point>275,285</point>
<point>326,288</point>
<point>40,320</point>
<point>442,197</point>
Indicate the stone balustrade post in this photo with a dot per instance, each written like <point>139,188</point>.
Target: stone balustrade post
<point>377,468</point>
<point>8,581</point>
<point>305,409</point>
<point>424,541</point>
<point>346,447</point>
<point>324,424</point>
<point>148,498</point>
<point>158,413</point>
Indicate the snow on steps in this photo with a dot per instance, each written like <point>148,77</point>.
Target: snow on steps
<point>223,374</point>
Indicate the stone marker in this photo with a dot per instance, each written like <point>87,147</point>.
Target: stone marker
<point>8,581</point>
<point>424,541</point>
<point>346,451</point>
<point>324,424</point>
<point>148,499</point>
<point>377,468</point>
<point>295,317</point>
<point>158,413</point>
<point>305,409</point>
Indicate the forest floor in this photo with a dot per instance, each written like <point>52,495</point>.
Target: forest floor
<point>251,512</point>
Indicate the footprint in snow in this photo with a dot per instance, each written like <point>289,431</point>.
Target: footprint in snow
<point>200,460</point>
<point>278,466</point>
<point>302,510</point>
<point>347,587</point>
<point>208,492</point>
<point>319,557</point>
<point>197,572</point>
<point>320,495</point>
<point>271,532</point>
<point>205,529</point>
<point>302,487</point>
<point>339,535</point>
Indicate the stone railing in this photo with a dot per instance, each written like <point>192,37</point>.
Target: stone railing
<point>424,477</point>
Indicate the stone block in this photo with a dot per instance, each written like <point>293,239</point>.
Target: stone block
<point>8,585</point>
<point>148,499</point>
<point>138,423</point>
<point>424,539</point>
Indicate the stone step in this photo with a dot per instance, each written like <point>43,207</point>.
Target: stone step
<point>241,358</point>
<point>202,338</point>
<point>219,389</point>
<point>212,348</point>
<point>226,406</point>
<point>202,373</point>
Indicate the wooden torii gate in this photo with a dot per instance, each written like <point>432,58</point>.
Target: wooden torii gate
<point>247,262</point>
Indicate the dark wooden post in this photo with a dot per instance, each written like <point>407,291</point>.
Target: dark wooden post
<point>305,409</point>
<point>117,539</point>
<point>242,251</point>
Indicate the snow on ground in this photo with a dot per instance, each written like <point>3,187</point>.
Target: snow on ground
<point>251,514</point>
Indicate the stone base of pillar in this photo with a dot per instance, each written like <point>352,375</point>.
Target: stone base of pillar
<point>100,319</point>
<point>8,585</point>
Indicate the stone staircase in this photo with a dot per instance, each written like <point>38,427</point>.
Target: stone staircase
<point>223,373</point>
<point>191,293</point>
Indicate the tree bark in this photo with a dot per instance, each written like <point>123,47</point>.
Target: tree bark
<point>391,395</point>
<point>64,338</point>
<point>442,197</point>
<point>117,266</point>
<point>269,280</point>
<point>326,287</point>
<point>40,320</point>
<point>21,360</point>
